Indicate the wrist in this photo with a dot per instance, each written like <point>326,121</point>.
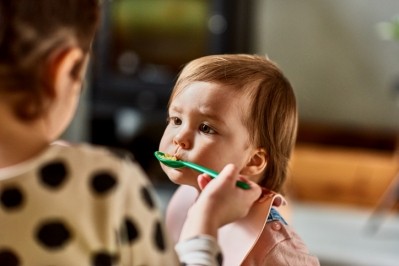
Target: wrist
<point>199,222</point>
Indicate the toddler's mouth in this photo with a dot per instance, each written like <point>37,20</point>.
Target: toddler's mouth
<point>177,156</point>
<point>176,153</point>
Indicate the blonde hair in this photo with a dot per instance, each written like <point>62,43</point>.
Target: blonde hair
<point>272,118</point>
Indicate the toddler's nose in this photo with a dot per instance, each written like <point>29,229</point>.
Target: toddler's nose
<point>182,140</point>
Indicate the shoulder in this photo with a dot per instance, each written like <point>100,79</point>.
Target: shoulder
<point>283,246</point>
<point>95,162</point>
<point>89,156</point>
<point>279,244</point>
<point>88,152</point>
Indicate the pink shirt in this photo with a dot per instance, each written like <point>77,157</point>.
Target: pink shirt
<point>251,240</point>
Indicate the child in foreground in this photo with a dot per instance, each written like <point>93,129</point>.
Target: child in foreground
<point>237,109</point>
<point>64,204</point>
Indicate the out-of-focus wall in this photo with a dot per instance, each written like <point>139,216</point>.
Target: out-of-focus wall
<point>342,70</point>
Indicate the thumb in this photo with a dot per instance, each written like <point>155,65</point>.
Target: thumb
<point>203,180</point>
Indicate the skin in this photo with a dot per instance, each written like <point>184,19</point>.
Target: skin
<point>205,127</point>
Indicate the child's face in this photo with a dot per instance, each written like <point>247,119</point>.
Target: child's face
<point>205,127</point>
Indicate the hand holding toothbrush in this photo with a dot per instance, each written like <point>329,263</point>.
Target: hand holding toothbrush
<point>220,202</point>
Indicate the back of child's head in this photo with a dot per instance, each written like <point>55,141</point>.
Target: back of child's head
<point>30,30</point>
<point>271,117</point>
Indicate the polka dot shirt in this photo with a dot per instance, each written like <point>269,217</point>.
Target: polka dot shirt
<point>80,205</point>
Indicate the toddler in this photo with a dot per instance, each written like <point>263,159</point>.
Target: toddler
<point>237,109</point>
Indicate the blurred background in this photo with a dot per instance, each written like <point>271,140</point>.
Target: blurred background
<point>342,57</point>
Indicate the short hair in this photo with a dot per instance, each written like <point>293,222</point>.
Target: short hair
<point>31,30</point>
<point>272,117</point>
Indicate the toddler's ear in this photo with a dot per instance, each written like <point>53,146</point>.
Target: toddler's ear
<point>256,164</point>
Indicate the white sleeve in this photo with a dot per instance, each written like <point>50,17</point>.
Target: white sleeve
<point>200,250</point>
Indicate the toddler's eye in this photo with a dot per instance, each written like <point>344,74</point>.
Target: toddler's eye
<point>206,129</point>
<point>174,120</point>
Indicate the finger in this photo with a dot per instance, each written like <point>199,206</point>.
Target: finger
<point>255,189</point>
<point>228,174</point>
<point>203,180</point>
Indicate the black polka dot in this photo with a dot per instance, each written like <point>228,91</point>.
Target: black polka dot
<point>159,237</point>
<point>53,234</point>
<point>53,174</point>
<point>8,258</point>
<point>219,258</point>
<point>130,231</point>
<point>104,259</point>
<point>12,198</point>
<point>146,194</point>
<point>103,182</point>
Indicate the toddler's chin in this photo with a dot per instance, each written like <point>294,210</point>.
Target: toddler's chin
<point>173,174</point>
<point>177,178</point>
<point>180,178</point>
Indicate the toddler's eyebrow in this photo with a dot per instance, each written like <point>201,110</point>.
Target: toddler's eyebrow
<point>205,112</point>
<point>213,116</point>
<point>175,108</point>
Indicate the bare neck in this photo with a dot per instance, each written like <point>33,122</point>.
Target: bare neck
<point>19,141</point>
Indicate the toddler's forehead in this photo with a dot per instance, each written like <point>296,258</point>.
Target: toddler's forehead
<point>239,93</point>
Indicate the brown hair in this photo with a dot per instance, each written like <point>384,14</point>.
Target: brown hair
<point>29,32</point>
<point>272,116</point>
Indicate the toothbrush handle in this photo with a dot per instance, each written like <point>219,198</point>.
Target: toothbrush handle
<point>212,173</point>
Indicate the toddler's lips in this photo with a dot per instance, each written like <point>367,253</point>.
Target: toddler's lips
<point>177,156</point>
